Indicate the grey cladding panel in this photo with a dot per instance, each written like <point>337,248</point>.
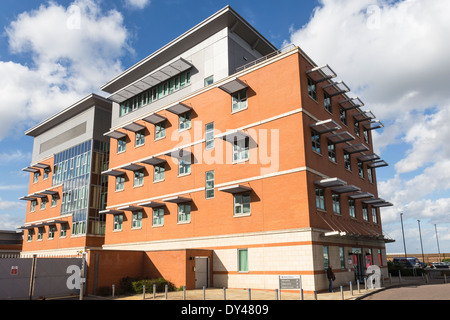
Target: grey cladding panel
<point>63,137</point>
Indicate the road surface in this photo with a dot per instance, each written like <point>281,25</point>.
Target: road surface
<point>414,292</point>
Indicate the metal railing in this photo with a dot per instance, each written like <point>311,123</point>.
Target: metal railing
<point>267,57</point>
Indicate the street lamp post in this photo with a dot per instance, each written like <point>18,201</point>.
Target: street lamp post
<point>403,232</point>
<point>421,245</point>
<point>439,251</point>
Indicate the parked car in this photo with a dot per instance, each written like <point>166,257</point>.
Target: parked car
<point>411,262</point>
<point>440,265</point>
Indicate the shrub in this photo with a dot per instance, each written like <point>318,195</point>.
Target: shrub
<point>135,285</point>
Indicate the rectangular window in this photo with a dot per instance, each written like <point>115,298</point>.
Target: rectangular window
<point>241,150</point>
<point>332,151</point>
<point>121,145</point>
<point>374,215</point>
<point>36,177</point>
<point>43,203</point>
<point>369,174</point>
<point>184,212</point>
<point>326,258</point>
<point>209,136</point>
<point>327,102</point>
<point>63,232</point>
<point>342,257</point>
<point>118,222</point>
<point>209,81</point>
<point>209,185</point>
<point>160,130</point>
<point>336,203</point>
<point>54,200</point>
<point>364,212</point>
<point>30,235</point>
<point>239,101</point>
<point>343,115</point>
<point>158,216</point>
<point>140,138</point>
<point>138,178</point>
<point>347,161</point>
<point>242,204</point>
<point>356,127</point>
<point>184,166</point>
<point>243,260</point>
<point>158,172</point>
<point>351,208</point>
<point>120,183</point>
<point>46,173</point>
<point>136,220</point>
<point>320,198</point>
<point>185,121</point>
<point>360,169</point>
<point>366,135</point>
<point>312,89</point>
<point>315,137</point>
<point>33,205</point>
<point>40,233</point>
<point>51,232</point>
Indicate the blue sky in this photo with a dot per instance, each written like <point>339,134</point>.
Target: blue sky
<point>390,53</point>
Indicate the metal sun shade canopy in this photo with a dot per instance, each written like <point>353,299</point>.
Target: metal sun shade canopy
<point>368,157</point>
<point>321,74</point>
<point>134,127</point>
<point>382,204</point>
<point>336,88</point>
<point>355,148</point>
<point>41,166</point>
<point>111,212</point>
<point>30,169</point>
<point>179,108</point>
<point>330,182</point>
<point>131,167</point>
<point>351,103</point>
<point>378,164</point>
<point>234,86</point>
<point>151,80</point>
<point>325,126</point>
<point>115,134</point>
<point>151,204</point>
<point>340,137</point>
<point>130,208</point>
<point>237,188</point>
<point>345,189</point>
<point>154,161</point>
<point>361,195</point>
<point>177,199</point>
<point>154,118</point>
<point>114,173</point>
<point>374,201</point>
<point>373,125</point>
<point>180,153</point>
<point>233,135</point>
<point>364,116</point>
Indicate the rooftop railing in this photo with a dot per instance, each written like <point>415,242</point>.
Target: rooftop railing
<point>267,57</point>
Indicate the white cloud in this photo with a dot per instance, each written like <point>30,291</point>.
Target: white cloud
<point>393,55</point>
<point>74,51</point>
<point>137,4</point>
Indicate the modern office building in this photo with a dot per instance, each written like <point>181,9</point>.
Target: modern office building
<point>231,163</point>
<point>67,190</point>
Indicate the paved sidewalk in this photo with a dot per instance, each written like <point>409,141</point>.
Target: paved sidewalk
<point>243,294</point>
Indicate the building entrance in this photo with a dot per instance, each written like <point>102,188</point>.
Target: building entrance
<point>201,272</point>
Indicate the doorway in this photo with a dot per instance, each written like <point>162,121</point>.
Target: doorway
<point>201,272</point>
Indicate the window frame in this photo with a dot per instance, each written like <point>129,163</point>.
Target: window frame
<point>242,266</point>
<point>332,152</point>
<point>136,220</point>
<point>320,199</point>
<point>209,136</point>
<point>241,150</point>
<point>118,222</point>
<point>160,130</point>
<point>184,213</point>
<point>121,145</point>
<point>209,185</point>
<point>157,216</point>
<point>336,199</point>
<point>120,183</point>
<point>185,121</point>
<point>139,140</point>
<point>312,88</point>
<point>239,101</point>
<point>159,172</point>
<point>315,140</point>
<point>243,202</point>
<point>138,178</point>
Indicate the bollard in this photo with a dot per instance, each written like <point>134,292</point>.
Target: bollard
<point>204,293</point>
<point>351,289</point>
<point>154,291</point>
<point>365,284</point>
<point>399,276</point>
<point>165,290</point>
<point>315,295</point>
<point>276,294</point>
<point>113,290</point>
<point>445,278</point>
<point>342,293</point>
<point>143,292</point>
<point>249,294</point>
<point>184,292</point>
<point>301,295</point>
<point>224,293</point>
<point>390,278</point>
<point>359,288</point>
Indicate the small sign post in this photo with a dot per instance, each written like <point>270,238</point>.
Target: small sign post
<point>290,283</point>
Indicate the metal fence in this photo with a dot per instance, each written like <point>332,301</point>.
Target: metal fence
<point>40,277</point>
